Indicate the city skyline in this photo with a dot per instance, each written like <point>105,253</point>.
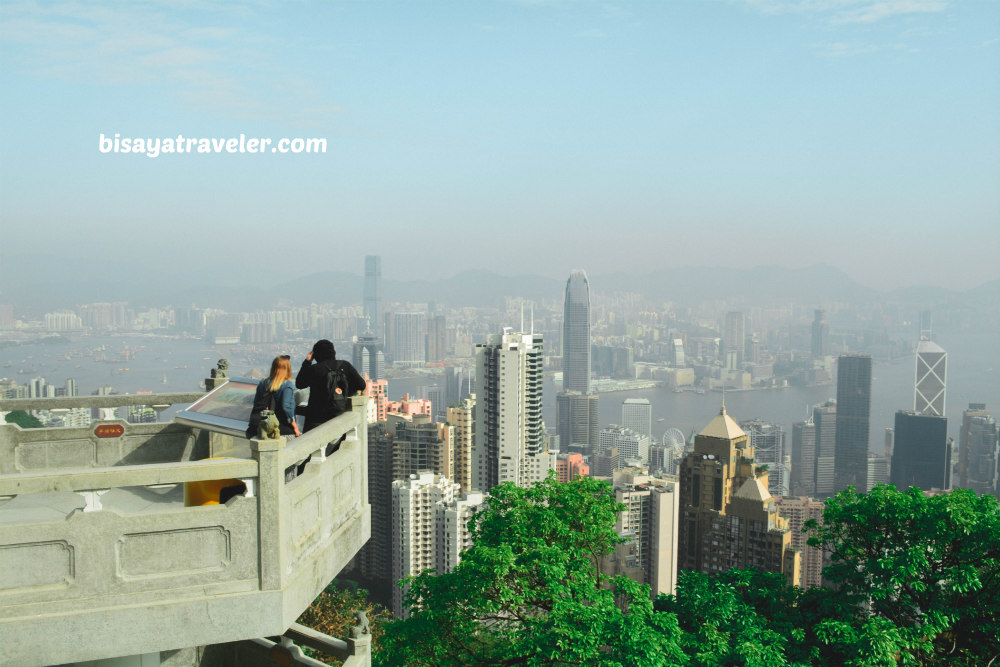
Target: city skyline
<point>648,134</point>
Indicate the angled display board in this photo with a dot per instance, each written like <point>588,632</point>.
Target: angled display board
<point>225,409</point>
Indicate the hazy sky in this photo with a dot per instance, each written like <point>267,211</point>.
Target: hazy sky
<point>515,136</point>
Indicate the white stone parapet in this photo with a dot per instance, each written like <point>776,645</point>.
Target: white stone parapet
<point>99,557</point>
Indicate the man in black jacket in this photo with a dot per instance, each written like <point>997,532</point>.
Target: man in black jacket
<point>321,407</point>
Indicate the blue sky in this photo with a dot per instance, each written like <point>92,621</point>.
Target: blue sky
<point>515,136</point>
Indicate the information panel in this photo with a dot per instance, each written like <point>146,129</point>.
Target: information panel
<point>225,409</point>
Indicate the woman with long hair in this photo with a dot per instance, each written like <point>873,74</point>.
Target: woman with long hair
<point>276,392</point>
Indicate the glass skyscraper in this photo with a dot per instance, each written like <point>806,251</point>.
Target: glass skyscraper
<point>854,400</point>
<point>576,334</point>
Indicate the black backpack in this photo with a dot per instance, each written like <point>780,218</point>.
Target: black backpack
<point>338,389</point>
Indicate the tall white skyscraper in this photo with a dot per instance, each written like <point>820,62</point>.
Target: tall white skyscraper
<point>637,414</point>
<point>509,442</point>
<point>576,334</point>
<point>429,527</point>
<point>930,382</point>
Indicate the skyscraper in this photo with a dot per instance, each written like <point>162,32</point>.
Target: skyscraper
<point>798,510</point>
<point>930,382</point>
<point>733,342</point>
<point>637,414</point>
<point>437,338</point>
<point>409,338</point>
<point>728,517</point>
<point>430,519</point>
<point>576,334</point>
<point>854,398</point>
<point>420,444</point>
<point>804,458</point>
<point>979,449</point>
<point>578,421</point>
<point>373,296</point>
<point>825,423</point>
<point>820,335</point>
<point>460,416</point>
<point>509,443</point>
<point>768,442</point>
<point>878,471</point>
<point>921,452</point>
<point>649,526</point>
<point>368,357</point>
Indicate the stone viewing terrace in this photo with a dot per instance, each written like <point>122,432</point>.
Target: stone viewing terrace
<point>101,557</point>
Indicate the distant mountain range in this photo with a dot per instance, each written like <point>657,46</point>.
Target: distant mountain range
<point>758,286</point>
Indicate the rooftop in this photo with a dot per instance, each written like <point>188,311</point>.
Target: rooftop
<point>723,427</point>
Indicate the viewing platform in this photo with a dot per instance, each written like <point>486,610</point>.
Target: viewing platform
<point>101,557</point>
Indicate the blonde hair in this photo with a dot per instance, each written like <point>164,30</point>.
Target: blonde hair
<point>281,370</point>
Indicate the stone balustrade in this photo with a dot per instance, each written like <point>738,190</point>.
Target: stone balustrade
<point>99,556</point>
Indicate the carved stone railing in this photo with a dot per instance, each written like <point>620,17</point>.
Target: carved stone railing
<point>99,557</point>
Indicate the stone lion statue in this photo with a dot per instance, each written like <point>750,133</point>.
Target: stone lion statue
<point>221,371</point>
<point>269,426</point>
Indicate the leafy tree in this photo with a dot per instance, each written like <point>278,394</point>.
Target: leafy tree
<point>530,591</point>
<point>922,575</point>
<point>740,617</point>
<point>22,419</point>
<point>332,613</point>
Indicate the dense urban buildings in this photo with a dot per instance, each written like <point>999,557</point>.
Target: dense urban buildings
<point>576,334</point>
<point>509,442</point>
<point>854,398</point>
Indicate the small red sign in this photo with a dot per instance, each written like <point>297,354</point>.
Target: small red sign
<point>109,431</point>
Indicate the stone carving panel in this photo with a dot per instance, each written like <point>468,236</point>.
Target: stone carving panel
<point>173,552</point>
<point>36,565</point>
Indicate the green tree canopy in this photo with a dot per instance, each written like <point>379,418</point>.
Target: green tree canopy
<point>915,583</point>
<point>530,592</point>
<point>22,419</point>
<point>921,572</point>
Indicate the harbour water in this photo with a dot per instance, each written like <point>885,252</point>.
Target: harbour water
<point>132,363</point>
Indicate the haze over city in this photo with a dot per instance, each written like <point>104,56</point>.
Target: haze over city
<point>548,332</point>
<point>525,138</point>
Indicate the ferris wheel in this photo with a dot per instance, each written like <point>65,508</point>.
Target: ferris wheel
<point>674,439</point>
